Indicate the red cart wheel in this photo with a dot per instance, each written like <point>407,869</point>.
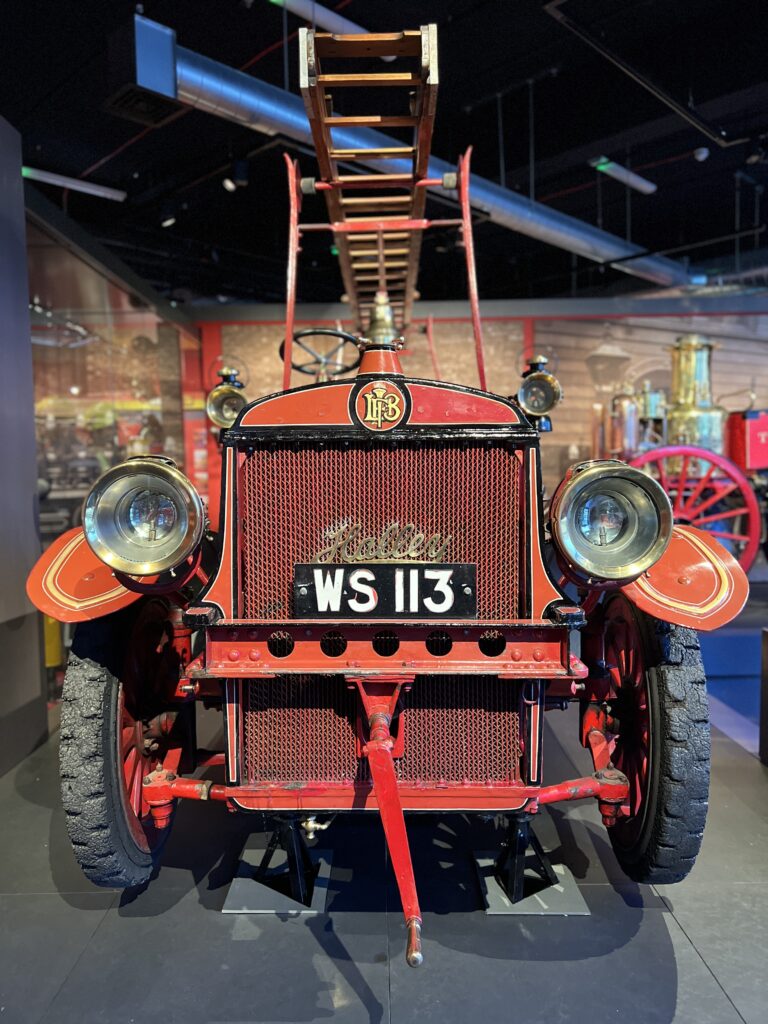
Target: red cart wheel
<point>658,730</point>
<point>116,728</point>
<point>137,762</point>
<point>709,492</point>
<point>630,748</point>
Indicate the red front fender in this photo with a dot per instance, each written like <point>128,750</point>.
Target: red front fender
<point>695,583</point>
<point>71,584</point>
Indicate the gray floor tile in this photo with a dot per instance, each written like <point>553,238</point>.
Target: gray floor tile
<point>736,836</point>
<point>547,969</point>
<point>700,994</point>
<point>728,925</point>
<point>41,939</point>
<point>155,963</point>
<point>40,858</point>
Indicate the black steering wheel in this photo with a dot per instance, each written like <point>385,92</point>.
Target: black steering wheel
<point>325,359</point>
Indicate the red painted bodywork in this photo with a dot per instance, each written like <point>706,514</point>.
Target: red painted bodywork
<point>71,584</point>
<point>239,649</point>
<point>695,583</point>
<point>326,405</point>
<point>746,439</point>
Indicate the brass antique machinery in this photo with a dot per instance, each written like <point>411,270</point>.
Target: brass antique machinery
<point>680,440</point>
<point>692,416</point>
<point>638,421</point>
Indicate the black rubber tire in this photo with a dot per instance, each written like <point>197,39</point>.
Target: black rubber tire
<point>664,848</point>
<point>110,845</point>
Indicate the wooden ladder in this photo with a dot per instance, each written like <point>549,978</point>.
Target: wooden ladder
<point>377,218</point>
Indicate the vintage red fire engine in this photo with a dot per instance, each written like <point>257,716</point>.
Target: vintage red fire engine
<point>382,619</point>
<point>386,608</point>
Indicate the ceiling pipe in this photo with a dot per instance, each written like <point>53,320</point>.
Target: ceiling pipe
<point>63,181</point>
<point>196,81</point>
<point>314,14</point>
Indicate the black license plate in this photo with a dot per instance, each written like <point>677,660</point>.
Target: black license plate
<point>385,590</point>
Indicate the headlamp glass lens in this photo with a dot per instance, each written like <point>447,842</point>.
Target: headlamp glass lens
<point>601,519</point>
<point>151,517</point>
<point>143,517</point>
<point>230,407</point>
<point>610,521</point>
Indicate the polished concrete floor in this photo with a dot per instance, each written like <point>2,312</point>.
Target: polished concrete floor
<point>695,952</point>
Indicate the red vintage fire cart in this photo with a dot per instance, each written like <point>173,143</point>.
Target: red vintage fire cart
<point>710,462</point>
<point>385,614</point>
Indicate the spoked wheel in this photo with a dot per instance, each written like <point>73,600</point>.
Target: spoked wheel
<point>115,729</point>
<point>659,740</point>
<point>137,760</point>
<point>631,745</point>
<point>711,493</point>
<point>334,354</point>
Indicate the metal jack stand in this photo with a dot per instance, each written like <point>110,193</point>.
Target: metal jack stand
<point>298,885</point>
<point>510,867</point>
<point>523,880</point>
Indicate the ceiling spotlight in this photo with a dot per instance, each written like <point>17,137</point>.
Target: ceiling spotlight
<point>758,157</point>
<point>701,154</point>
<point>229,185</point>
<point>168,222</point>
<point>622,174</point>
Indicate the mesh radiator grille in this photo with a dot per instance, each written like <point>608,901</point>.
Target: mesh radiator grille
<point>457,729</point>
<point>290,501</point>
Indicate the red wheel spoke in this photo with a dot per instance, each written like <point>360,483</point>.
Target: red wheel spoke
<point>698,489</point>
<point>134,777</point>
<point>680,488</point>
<point>712,500</point>
<point>630,750</point>
<point>717,516</point>
<point>716,484</point>
<point>135,767</point>
<point>663,479</point>
<point>128,738</point>
<point>136,791</point>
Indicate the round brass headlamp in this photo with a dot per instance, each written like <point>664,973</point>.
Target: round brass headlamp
<point>610,522</point>
<point>224,404</point>
<point>143,517</point>
<point>539,393</point>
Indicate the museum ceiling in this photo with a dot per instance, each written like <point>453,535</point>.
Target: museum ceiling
<point>55,87</point>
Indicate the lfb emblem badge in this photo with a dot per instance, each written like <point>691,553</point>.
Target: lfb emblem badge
<point>381,405</point>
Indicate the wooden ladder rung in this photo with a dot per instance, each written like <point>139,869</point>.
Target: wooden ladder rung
<point>377,200</point>
<point>388,236</point>
<point>371,121</point>
<point>376,180</point>
<point>365,293</point>
<point>369,44</point>
<point>388,265</point>
<point>385,153</point>
<point>362,218</point>
<point>375,252</point>
<point>385,78</point>
<point>398,276</point>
